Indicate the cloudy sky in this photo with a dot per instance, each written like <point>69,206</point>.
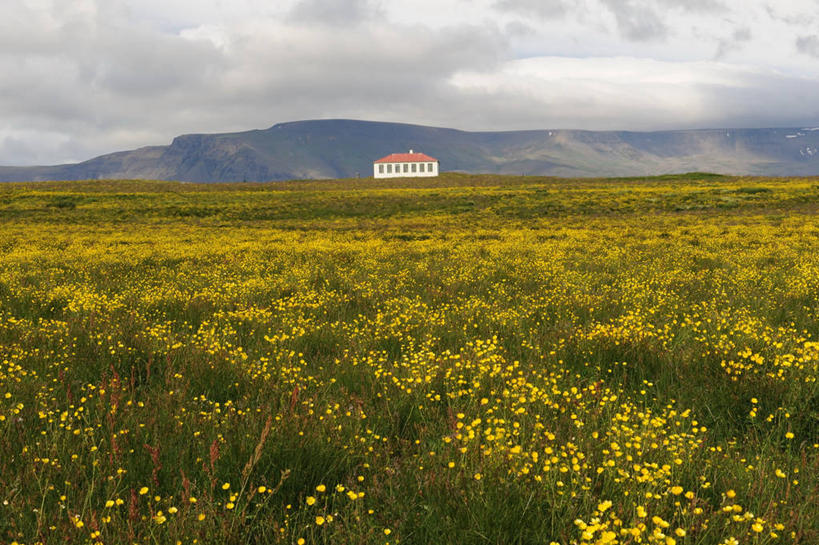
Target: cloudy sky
<point>80,78</point>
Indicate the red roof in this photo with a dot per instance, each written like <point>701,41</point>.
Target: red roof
<point>407,158</point>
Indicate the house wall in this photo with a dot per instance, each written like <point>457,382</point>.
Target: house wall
<point>408,174</point>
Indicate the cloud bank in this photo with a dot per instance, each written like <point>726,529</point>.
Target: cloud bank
<point>87,77</point>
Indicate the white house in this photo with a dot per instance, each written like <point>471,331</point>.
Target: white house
<point>405,165</point>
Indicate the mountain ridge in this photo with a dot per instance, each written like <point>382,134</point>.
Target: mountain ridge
<point>342,148</point>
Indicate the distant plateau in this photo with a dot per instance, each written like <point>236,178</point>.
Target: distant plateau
<point>347,148</point>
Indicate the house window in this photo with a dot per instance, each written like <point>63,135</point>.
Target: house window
<point>389,169</point>
<point>406,167</point>
<point>421,167</point>
<point>381,169</point>
<point>430,167</point>
<point>414,167</point>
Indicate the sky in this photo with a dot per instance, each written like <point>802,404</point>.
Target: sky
<point>81,78</point>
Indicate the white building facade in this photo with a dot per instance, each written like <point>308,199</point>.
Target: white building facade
<point>406,165</point>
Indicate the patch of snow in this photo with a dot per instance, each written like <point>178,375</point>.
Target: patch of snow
<point>813,129</point>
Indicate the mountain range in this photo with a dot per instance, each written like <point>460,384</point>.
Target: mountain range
<point>347,148</point>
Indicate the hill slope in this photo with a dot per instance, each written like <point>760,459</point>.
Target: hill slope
<point>345,148</point>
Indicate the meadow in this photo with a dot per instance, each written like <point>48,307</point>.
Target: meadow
<point>466,359</point>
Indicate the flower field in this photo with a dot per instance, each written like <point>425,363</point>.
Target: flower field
<point>467,359</point>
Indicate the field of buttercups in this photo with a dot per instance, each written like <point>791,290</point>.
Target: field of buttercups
<point>469,359</point>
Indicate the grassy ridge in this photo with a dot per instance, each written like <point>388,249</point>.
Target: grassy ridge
<point>460,360</point>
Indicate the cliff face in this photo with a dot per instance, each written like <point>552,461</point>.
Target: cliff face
<point>342,149</point>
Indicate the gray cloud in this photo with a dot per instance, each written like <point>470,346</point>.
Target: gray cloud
<point>796,19</point>
<point>740,36</point>
<point>547,9</point>
<point>519,29</point>
<point>808,45</point>
<point>637,20</point>
<point>695,6</point>
<point>102,85</point>
<point>333,12</point>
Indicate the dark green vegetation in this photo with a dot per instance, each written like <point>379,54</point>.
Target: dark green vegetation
<point>467,359</point>
<point>460,198</point>
<point>346,149</point>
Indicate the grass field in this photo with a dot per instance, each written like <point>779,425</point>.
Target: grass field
<point>467,359</point>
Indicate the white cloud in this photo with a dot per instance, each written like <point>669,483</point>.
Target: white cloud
<point>216,35</point>
<point>599,93</point>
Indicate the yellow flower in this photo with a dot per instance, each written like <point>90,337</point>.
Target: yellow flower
<point>779,473</point>
<point>143,490</point>
<point>262,489</point>
<point>109,503</point>
<point>300,541</point>
<point>387,531</point>
<point>200,517</point>
<point>321,488</point>
<point>676,490</point>
<point>757,527</point>
<point>319,520</point>
<point>607,537</point>
<point>230,506</point>
<point>225,486</point>
<point>477,476</point>
<point>604,506</point>
<point>731,494</point>
<point>311,500</point>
